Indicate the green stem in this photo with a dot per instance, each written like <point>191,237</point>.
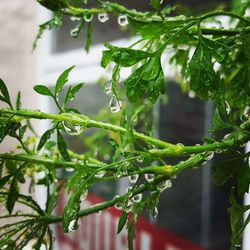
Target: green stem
<point>82,121</point>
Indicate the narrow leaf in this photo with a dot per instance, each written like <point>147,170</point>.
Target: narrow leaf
<point>122,221</point>
<point>18,100</point>
<point>5,94</point>
<point>62,80</point>
<point>44,138</point>
<point>43,90</point>
<point>12,196</point>
<point>72,92</point>
<point>62,147</point>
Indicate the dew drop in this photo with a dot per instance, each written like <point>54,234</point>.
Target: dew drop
<point>122,20</point>
<point>100,174</point>
<point>115,105</point>
<point>72,226</point>
<point>155,212</point>
<point>227,107</point>
<point>209,155</point>
<point>137,198</point>
<point>140,160</point>
<point>108,87</point>
<point>133,178</point>
<point>165,184</point>
<point>88,17</point>
<point>72,129</point>
<point>180,144</point>
<point>103,17</point>
<point>161,1</point>
<point>149,177</point>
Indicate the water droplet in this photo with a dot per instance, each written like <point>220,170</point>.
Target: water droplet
<point>122,20</point>
<point>149,177</point>
<point>133,178</point>
<point>72,226</point>
<point>108,87</point>
<point>191,94</point>
<point>84,195</point>
<point>180,144</point>
<point>72,129</point>
<point>155,212</point>
<point>103,17</point>
<point>115,105</point>
<point>137,198</point>
<point>88,17</point>
<point>70,170</point>
<point>209,155</point>
<point>100,174</point>
<point>161,1</point>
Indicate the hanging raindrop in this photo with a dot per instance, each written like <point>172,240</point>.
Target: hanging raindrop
<point>209,155</point>
<point>149,177</point>
<point>73,18</point>
<point>133,178</point>
<point>115,105</point>
<point>155,212</point>
<point>88,17</point>
<point>191,94</point>
<point>74,32</point>
<point>108,87</point>
<point>103,17</point>
<point>72,129</point>
<point>118,205</point>
<point>122,20</point>
<point>137,198</point>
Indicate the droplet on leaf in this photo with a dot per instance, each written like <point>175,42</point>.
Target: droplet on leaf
<point>137,198</point>
<point>133,178</point>
<point>72,226</point>
<point>149,177</point>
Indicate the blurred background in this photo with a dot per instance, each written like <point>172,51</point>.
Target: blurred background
<point>192,214</point>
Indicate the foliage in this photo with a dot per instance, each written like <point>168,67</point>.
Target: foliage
<point>214,64</point>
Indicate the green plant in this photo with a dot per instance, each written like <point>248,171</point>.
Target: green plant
<point>197,49</point>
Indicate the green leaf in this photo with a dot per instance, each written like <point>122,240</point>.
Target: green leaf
<point>44,138</point>
<point>122,221</point>
<point>62,147</point>
<point>246,43</point>
<point>72,92</point>
<point>152,69</point>
<point>39,242</point>
<point>123,56</point>
<point>156,4</point>
<point>12,196</point>
<point>88,37</point>
<point>22,131</point>
<point>5,97</point>
<point>135,86</point>
<point>43,90</point>
<point>18,100</point>
<point>62,80</point>
<point>200,69</point>
<point>4,180</point>
<point>218,123</point>
<point>112,142</point>
<point>53,199</point>
<point>156,87</point>
<point>243,178</point>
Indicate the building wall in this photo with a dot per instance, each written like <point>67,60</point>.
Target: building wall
<point>18,63</point>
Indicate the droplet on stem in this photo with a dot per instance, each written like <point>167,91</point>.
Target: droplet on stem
<point>74,32</point>
<point>115,105</point>
<point>72,129</point>
<point>149,177</point>
<point>133,178</point>
<point>70,170</point>
<point>84,195</point>
<point>209,155</point>
<point>155,212</point>
<point>122,20</point>
<point>100,174</point>
<point>227,107</point>
<point>103,17</point>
